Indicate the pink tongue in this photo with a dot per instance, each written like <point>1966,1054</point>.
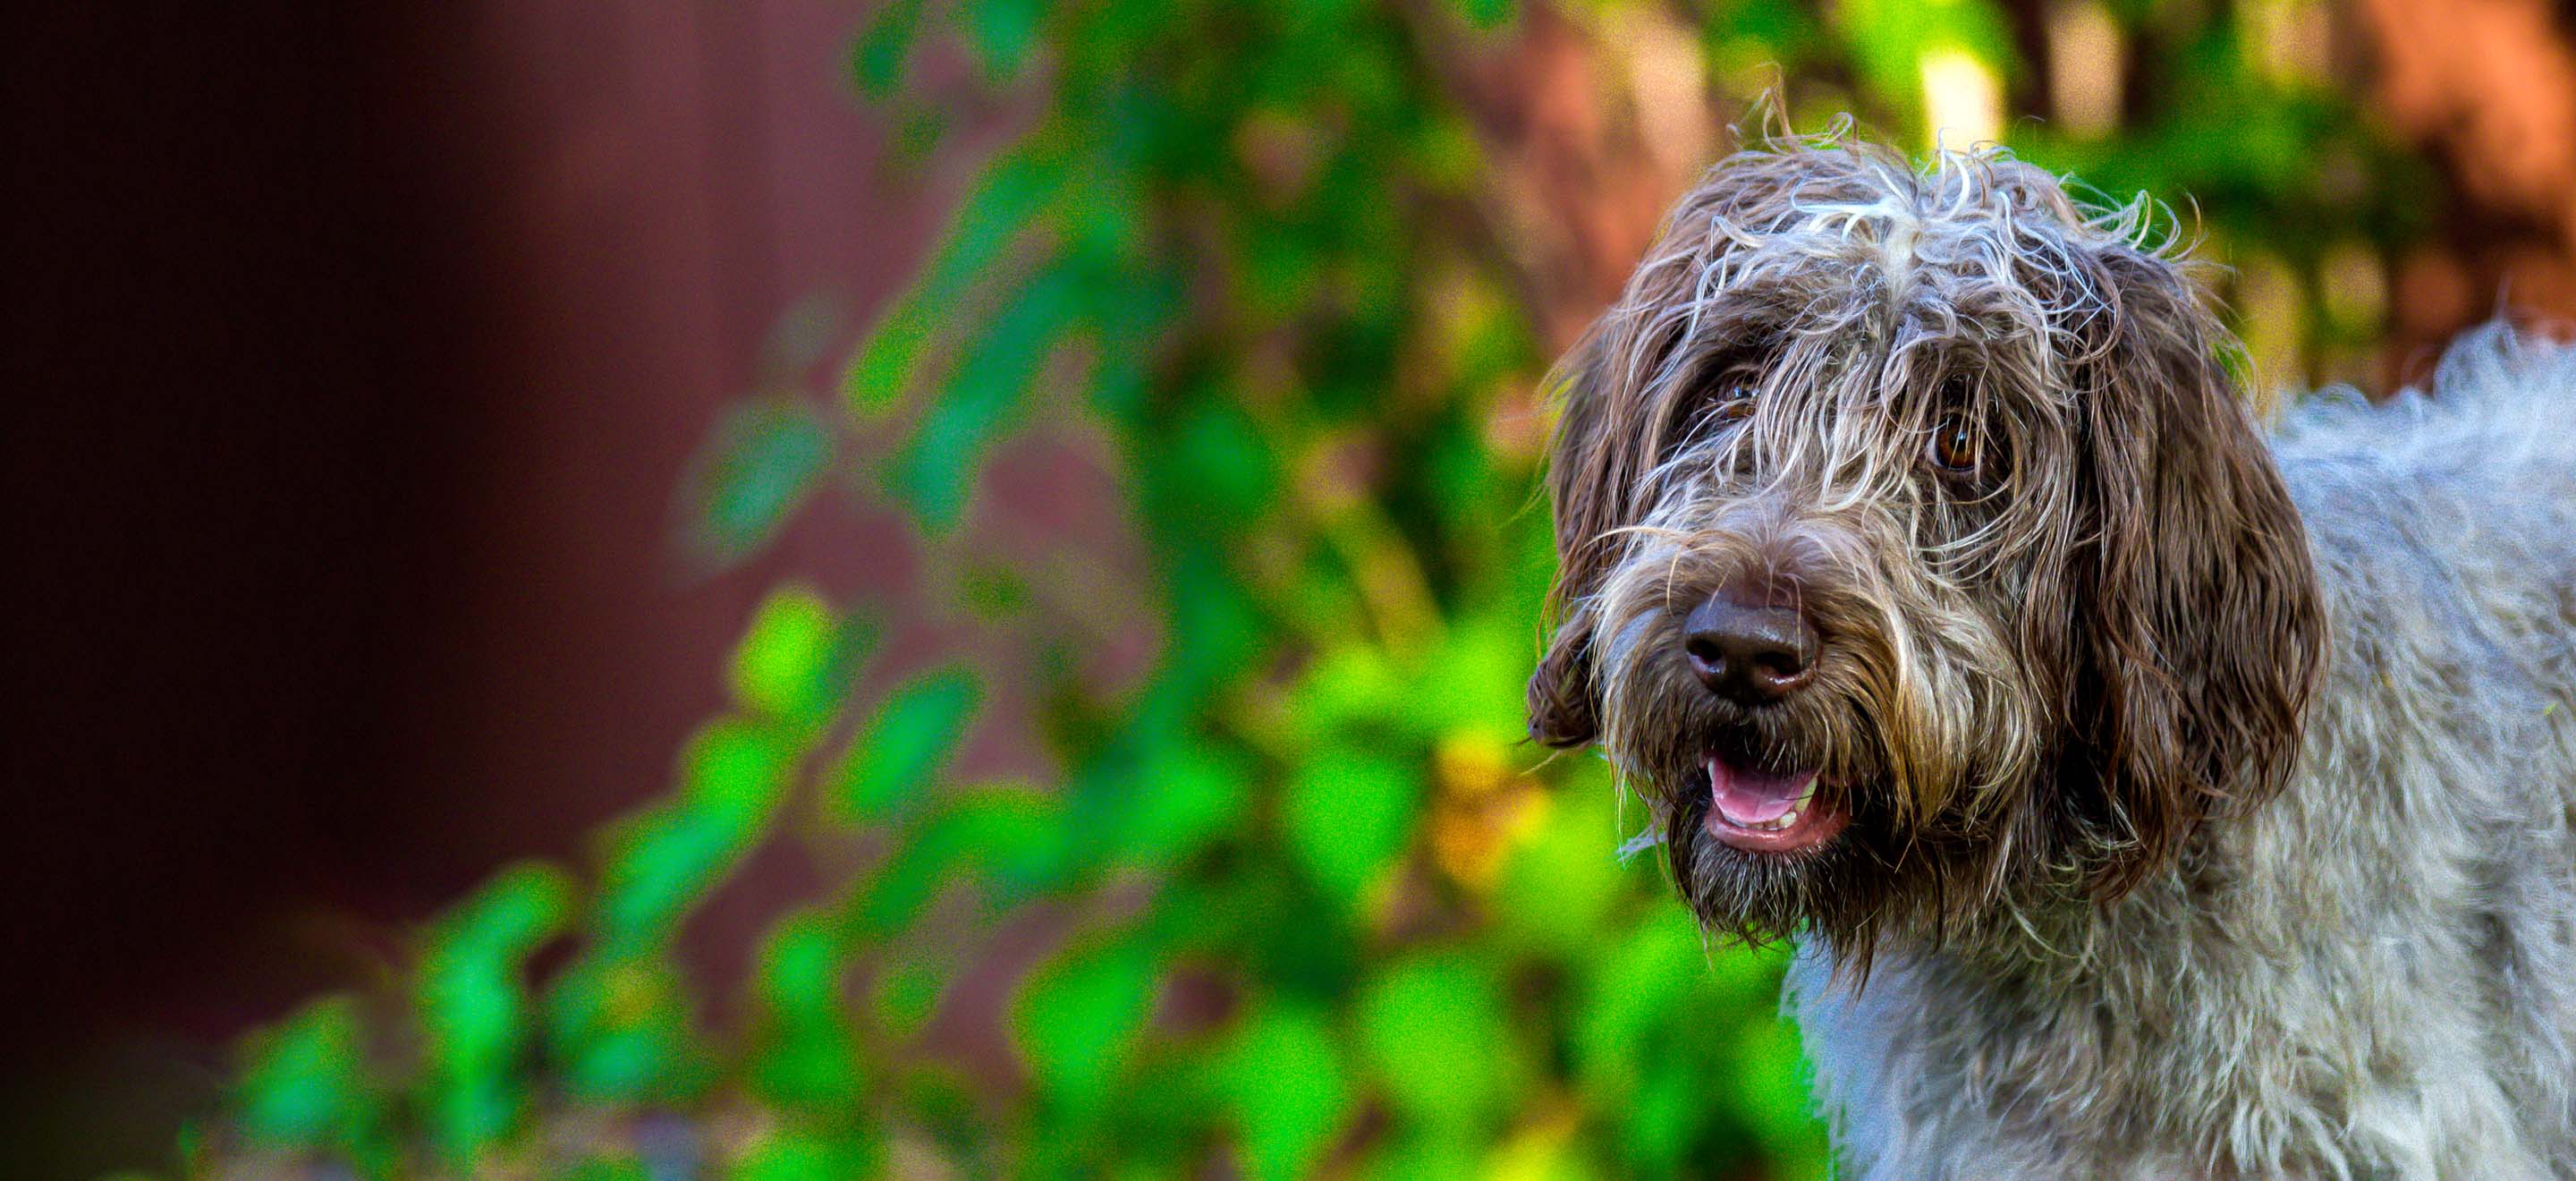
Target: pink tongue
<point>1754,797</point>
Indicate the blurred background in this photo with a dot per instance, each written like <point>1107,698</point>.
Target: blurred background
<point>786,588</point>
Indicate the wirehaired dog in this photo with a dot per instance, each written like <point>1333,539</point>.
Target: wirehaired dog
<point>2150,794</point>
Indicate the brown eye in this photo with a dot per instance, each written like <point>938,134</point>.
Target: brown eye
<point>1734,404</point>
<point>1953,446</point>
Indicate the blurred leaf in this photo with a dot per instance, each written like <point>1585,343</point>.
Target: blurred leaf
<point>1286,1089</point>
<point>1437,1151</point>
<point>1012,192</point>
<point>1002,32</point>
<point>1485,14</point>
<point>1078,1016</point>
<point>1224,466</point>
<point>608,1168</point>
<point>806,1055</point>
<point>1013,832</point>
<point>1436,1032</point>
<point>884,365</point>
<point>809,1157</point>
<point>1777,31</point>
<point>908,992</point>
<point>792,661</point>
<point>1347,814</point>
<point>1774,1095</point>
<point>934,472</point>
<point>1891,38</point>
<point>732,777</point>
<point>1191,794</point>
<point>878,58</point>
<point>1353,687</point>
<point>890,764</point>
<point>473,1003</point>
<point>621,1031</point>
<point>761,462</point>
<point>994,591</point>
<point>1631,988</point>
<point>304,1083</point>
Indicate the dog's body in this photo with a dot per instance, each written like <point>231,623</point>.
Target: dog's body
<point>2149,798</point>
<point>2372,975</point>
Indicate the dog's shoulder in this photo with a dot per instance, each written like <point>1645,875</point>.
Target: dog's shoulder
<point>2500,410</point>
<point>2465,492</point>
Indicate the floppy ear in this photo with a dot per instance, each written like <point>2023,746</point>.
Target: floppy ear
<point>1587,482</point>
<point>2197,633</point>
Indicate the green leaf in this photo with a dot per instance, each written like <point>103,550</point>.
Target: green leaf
<point>806,1156</point>
<point>473,1003</point>
<point>1228,471</point>
<point>907,992</point>
<point>806,1054</point>
<point>1286,1089</point>
<point>886,359</point>
<point>877,60</point>
<point>1436,1032</point>
<point>1348,813</point>
<point>794,658</point>
<point>605,1167</point>
<point>304,1085</point>
<point>933,474</point>
<point>1485,14</point>
<point>733,775</point>
<point>1643,977</point>
<point>1773,1094</point>
<point>914,732</point>
<point>1191,793</point>
<point>1078,1016</point>
<point>1001,33</point>
<point>1014,190</point>
<point>1559,888</point>
<point>620,1030</point>
<point>1890,39</point>
<point>1015,833</point>
<point>760,464</point>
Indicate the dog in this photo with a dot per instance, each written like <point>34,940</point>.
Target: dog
<point>2149,792</point>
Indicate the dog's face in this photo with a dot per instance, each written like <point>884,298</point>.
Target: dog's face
<point>1914,547</point>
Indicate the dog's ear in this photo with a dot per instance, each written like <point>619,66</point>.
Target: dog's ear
<point>1589,473</point>
<point>2196,633</point>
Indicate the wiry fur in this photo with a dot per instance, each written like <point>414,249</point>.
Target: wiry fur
<point>2211,794</point>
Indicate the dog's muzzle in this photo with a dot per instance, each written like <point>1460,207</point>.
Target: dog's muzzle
<point>1751,649</point>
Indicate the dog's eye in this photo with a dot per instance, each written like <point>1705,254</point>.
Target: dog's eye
<point>1954,444</point>
<point>1733,403</point>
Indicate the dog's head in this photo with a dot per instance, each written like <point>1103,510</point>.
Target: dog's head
<point>1914,546</point>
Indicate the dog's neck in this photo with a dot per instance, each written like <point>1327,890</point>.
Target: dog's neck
<point>2053,933</point>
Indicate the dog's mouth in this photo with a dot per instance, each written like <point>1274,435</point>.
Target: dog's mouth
<point>1762,810</point>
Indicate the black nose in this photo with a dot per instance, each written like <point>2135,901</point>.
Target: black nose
<point>1747,654</point>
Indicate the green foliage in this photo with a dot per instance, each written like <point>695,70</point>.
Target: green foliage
<point>304,1084</point>
<point>473,1007</point>
<point>1305,903</point>
<point>893,760</point>
<point>763,461</point>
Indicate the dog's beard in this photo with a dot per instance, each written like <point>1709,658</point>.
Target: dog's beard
<point>1669,736</point>
<point>1914,779</point>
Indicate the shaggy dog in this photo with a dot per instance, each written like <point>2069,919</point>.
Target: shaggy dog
<point>2149,795</point>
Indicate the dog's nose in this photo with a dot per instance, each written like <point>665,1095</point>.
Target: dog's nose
<point>1748,654</point>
